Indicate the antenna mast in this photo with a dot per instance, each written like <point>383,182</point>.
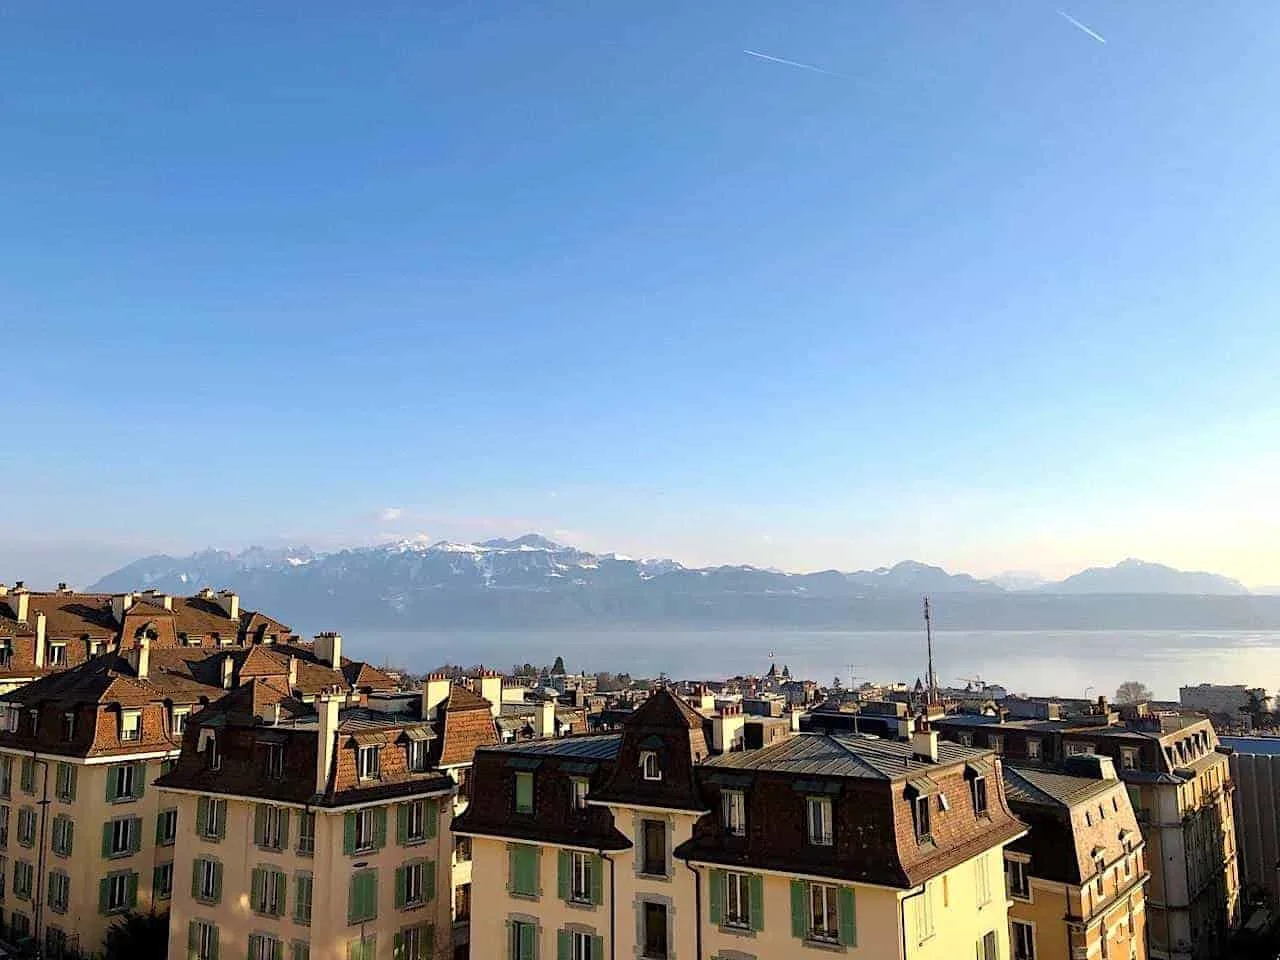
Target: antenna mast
<point>928,632</point>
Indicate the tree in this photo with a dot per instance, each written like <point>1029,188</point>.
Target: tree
<point>1133,691</point>
<point>137,936</point>
<point>557,669</point>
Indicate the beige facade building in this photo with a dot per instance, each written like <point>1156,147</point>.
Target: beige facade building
<point>648,844</point>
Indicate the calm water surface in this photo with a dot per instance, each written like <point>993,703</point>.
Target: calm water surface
<point>1063,662</point>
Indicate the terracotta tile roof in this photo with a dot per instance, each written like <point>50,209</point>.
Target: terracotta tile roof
<point>364,676</point>
<point>467,726</point>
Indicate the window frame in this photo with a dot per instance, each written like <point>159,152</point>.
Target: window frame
<point>737,886</point>
<point>826,896</point>
<point>978,793</point>
<point>579,787</point>
<point>651,766</point>
<point>130,733</point>
<point>733,812</point>
<point>1027,928</point>
<point>819,832</point>
<point>922,816</point>
<point>581,867</point>
<point>368,762</point>
<point>1017,879</point>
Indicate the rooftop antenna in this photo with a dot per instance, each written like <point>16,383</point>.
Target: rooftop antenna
<point>932,684</point>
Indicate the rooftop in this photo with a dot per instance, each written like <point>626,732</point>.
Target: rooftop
<point>602,746</point>
<point>1050,788</point>
<point>843,755</point>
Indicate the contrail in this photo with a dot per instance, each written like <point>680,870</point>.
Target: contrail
<point>1080,26</point>
<point>794,63</point>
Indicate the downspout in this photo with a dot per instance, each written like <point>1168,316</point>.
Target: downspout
<point>39,891</point>
<point>697,910</point>
<point>902,916</point>
<point>613,908</point>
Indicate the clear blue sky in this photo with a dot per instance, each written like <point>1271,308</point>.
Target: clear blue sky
<point>997,295</point>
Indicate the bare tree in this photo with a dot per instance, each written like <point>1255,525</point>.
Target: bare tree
<point>1133,691</point>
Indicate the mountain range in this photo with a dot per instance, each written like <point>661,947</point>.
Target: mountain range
<point>534,581</point>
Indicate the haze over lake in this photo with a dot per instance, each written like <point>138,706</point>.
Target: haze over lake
<point>1038,662</point>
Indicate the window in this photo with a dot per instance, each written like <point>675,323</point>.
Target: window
<point>978,790</point>
<point>162,881</point>
<point>415,821</point>
<point>417,756</point>
<point>55,943</point>
<point>524,940</point>
<point>264,947</point>
<point>1075,749</point>
<point>270,827</point>
<point>117,892</point>
<point>4,826</point>
<point>655,931</point>
<point>68,726</point>
<point>987,947</point>
<point>130,725</point>
<point>524,866</point>
<point>1128,758</point>
<point>1100,875</point>
<point>524,791</point>
<point>6,654</point>
<point>965,738</point>
<point>121,837</point>
<point>23,878</point>
<point>212,755</point>
<point>63,833</point>
<point>27,826</point>
<point>824,921</point>
<point>415,943</point>
<point>368,763</point>
<point>923,827</point>
<point>1033,748</point>
<point>462,902</point>
<point>211,818</point>
<point>413,881</point>
<point>580,876</point>
<point>4,865</point>
<point>818,817</point>
<point>305,885</point>
<point>267,891</point>
<point>578,793</point>
<point>982,880</point>
<point>206,880</point>
<point>27,776</point>
<point>167,827</point>
<point>96,647</point>
<point>275,761</point>
<point>366,828</point>
<point>737,900</point>
<point>734,807</point>
<point>65,782</point>
<point>654,848</point>
<point>57,655</point>
<point>6,776</point>
<point>362,903</point>
<point>307,833</point>
<point>126,782</point>
<point>20,925</point>
<point>202,941</point>
<point>650,766</point>
<point>366,948</point>
<point>584,946</point>
<point>1016,880</point>
<point>996,742</point>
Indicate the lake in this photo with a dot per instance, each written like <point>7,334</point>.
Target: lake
<point>1038,662</point>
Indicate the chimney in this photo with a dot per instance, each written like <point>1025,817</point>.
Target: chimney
<point>1103,707</point>
<point>435,693</point>
<point>727,728</point>
<point>491,690</point>
<point>229,601</point>
<point>545,722</point>
<point>120,604</point>
<point>228,672</point>
<point>293,671</point>
<point>327,703</point>
<point>205,593</point>
<point>4,590</point>
<point>41,624</point>
<point>328,649</point>
<point>20,601</point>
<point>140,657</point>
<point>904,728</point>
<point>62,587</point>
<point>795,720</point>
<point>924,741</point>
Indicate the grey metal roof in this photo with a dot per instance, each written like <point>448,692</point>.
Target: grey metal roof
<point>603,746</point>
<point>843,755</point>
<point>1050,788</point>
<point>1254,746</point>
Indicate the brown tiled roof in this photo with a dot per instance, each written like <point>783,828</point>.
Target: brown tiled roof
<point>363,676</point>
<point>667,725</point>
<point>467,726</point>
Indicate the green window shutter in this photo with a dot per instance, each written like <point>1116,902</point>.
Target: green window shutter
<point>215,942</point>
<point>511,870</point>
<point>715,884</point>
<point>159,828</point>
<point>106,839</point>
<point>433,818</point>
<point>139,779</point>
<point>429,941</point>
<point>564,945</point>
<point>155,883</point>
<point>349,834</point>
<point>353,900</point>
<point>380,827</point>
<point>528,941</point>
<point>111,784</point>
<point>257,887</point>
<point>799,910</point>
<point>848,918</point>
<point>193,940</point>
<point>260,825</point>
<point>402,886</point>
<point>524,792</point>
<point>511,947</point>
<point>277,950</point>
<point>597,882</point>
<point>564,878</point>
<point>131,890</point>
<point>202,815</point>
<point>371,895</point>
<point>284,829</point>
<point>597,947</point>
<point>195,878</point>
<point>104,894</point>
<point>282,885</point>
<point>217,882</point>
<point>135,834</point>
<point>402,823</point>
<point>757,902</point>
<point>219,810</point>
<point>429,880</point>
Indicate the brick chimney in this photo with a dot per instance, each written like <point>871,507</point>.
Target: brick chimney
<point>327,704</point>
<point>924,741</point>
<point>228,672</point>
<point>140,657</point>
<point>20,601</point>
<point>328,649</point>
<point>435,693</point>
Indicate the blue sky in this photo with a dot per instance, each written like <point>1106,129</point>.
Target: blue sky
<point>997,296</point>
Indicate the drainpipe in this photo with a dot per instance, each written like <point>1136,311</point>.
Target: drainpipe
<point>40,880</point>
<point>613,908</point>
<point>902,918</point>
<point>697,910</point>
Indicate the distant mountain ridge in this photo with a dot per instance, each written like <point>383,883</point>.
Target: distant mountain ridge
<point>534,580</point>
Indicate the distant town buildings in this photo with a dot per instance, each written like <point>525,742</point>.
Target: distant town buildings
<point>1223,699</point>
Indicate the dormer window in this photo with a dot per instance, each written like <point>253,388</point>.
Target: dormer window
<point>1128,758</point>
<point>924,829</point>
<point>649,764</point>
<point>34,715</point>
<point>130,725</point>
<point>178,719</point>
<point>275,761</point>
<point>68,726</point>
<point>978,789</point>
<point>96,647</point>
<point>417,750</point>
<point>210,746</point>
<point>368,763</point>
<point>57,655</point>
<point>190,640</point>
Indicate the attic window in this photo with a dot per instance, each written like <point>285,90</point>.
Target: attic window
<point>35,719</point>
<point>130,724</point>
<point>368,763</point>
<point>96,647</point>
<point>649,764</point>
<point>6,653</point>
<point>57,655</point>
<point>68,726</point>
<point>179,719</point>
<point>190,640</point>
<point>417,755</point>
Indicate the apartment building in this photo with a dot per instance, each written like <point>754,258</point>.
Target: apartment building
<point>84,836</point>
<point>1077,880</point>
<point>646,844</point>
<point>1228,699</point>
<point>1180,788</point>
<point>309,830</point>
<point>1255,771</point>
